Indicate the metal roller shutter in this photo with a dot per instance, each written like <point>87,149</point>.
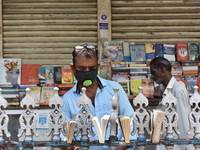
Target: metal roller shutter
<point>45,31</point>
<point>167,21</point>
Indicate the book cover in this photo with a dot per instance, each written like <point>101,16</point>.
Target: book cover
<point>182,52</point>
<point>67,75</point>
<point>169,52</point>
<point>35,93</point>
<point>10,71</point>
<point>159,50</point>
<point>47,93</point>
<point>42,119</point>
<point>193,51</point>
<point>113,51</point>
<point>134,85</point>
<point>127,56</point>
<point>41,75</point>
<point>49,74</point>
<point>30,73</point>
<point>148,88</point>
<point>190,83</point>
<point>57,75</point>
<point>105,70</point>
<point>150,51</point>
<point>137,52</point>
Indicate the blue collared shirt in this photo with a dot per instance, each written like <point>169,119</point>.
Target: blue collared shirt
<point>103,105</point>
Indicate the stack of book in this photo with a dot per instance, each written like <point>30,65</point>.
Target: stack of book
<point>121,74</point>
<point>176,68</point>
<point>22,89</point>
<point>190,68</point>
<point>190,83</point>
<point>138,70</point>
<point>10,93</point>
<point>120,71</point>
<point>43,92</point>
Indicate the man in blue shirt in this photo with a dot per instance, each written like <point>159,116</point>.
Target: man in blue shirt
<point>100,91</point>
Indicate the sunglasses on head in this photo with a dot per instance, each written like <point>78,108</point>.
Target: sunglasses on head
<point>85,47</point>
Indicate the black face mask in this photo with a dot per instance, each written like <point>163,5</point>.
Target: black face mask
<point>86,78</point>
